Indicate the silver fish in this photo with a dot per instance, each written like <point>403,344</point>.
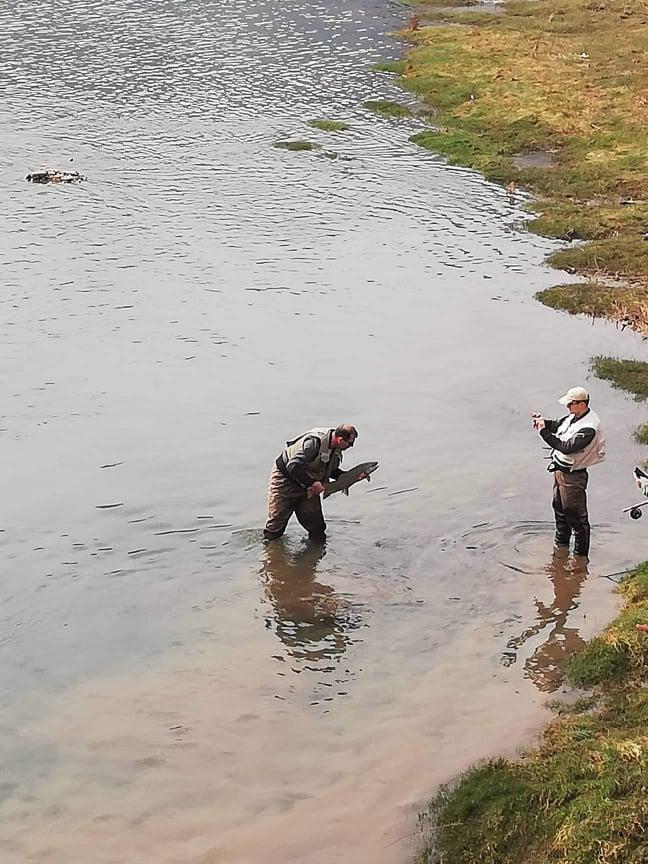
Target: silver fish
<point>346,480</point>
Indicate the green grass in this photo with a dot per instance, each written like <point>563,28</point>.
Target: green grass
<point>423,4</point>
<point>454,16</point>
<point>396,67</point>
<point>579,796</point>
<point>566,76</point>
<point>625,303</point>
<point>567,220</point>
<point>640,434</point>
<point>296,146</point>
<point>388,108</point>
<point>628,375</point>
<point>622,256</point>
<point>329,125</point>
<point>565,709</point>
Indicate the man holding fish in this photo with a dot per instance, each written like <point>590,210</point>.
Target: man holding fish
<point>309,466</point>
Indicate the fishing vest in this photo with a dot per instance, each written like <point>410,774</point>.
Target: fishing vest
<point>327,460</point>
<point>590,455</point>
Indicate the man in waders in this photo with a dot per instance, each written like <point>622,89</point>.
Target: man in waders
<point>298,478</point>
<point>577,442</point>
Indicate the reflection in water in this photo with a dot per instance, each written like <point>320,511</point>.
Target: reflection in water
<point>545,666</point>
<point>311,620</point>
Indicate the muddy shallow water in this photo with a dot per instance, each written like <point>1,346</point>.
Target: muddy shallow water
<point>172,691</point>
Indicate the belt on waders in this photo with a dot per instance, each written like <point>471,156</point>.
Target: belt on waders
<point>552,467</point>
<point>281,466</point>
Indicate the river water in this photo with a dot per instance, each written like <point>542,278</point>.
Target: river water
<point>172,690</point>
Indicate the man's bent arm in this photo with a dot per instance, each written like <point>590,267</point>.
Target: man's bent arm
<point>579,442</point>
<point>296,466</point>
<point>552,425</point>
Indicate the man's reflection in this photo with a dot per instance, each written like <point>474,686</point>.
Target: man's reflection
<point>310,619</point>
<point>545,667</point>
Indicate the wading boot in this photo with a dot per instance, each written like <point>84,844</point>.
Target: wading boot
<point>317,538</point>
<point>582,541</point>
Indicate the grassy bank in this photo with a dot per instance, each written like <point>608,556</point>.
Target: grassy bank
<point>581,795</point>
<point>628,375</point>
<point>566,83</point>
<point>552,97</point>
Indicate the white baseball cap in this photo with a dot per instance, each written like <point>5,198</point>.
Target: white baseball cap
<point>575,394</point>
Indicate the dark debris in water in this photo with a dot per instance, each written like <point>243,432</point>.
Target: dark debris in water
<point>49,176</point>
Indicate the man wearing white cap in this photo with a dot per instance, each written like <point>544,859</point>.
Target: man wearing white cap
<point>577,442</point>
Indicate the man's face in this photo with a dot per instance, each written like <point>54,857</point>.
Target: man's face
<point>344,445</point>
<point>577,408</point>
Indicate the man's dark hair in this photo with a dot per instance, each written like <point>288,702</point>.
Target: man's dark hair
<point>346,432</point>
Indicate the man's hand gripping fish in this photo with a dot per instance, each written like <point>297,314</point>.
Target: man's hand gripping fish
<point>346,480</point>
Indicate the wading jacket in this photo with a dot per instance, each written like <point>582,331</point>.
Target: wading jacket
<point>577,442</point>
<point>310,457</point>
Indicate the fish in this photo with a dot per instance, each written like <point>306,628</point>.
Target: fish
<point>348,478</point>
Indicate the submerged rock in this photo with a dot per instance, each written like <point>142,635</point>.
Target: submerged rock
<point>49,176</point>
<point>296,145</point>
<point>329,125</point>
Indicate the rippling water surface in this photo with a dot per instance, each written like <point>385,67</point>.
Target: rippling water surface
<point>172,691</point>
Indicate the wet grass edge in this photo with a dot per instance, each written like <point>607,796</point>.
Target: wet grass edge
<point>595,196</point>
<point>579,794</point>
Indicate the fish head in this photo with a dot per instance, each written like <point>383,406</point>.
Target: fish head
<point>364,470</point>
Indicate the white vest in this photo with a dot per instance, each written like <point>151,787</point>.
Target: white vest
<point>327,459</point>
<point>590,455</point>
